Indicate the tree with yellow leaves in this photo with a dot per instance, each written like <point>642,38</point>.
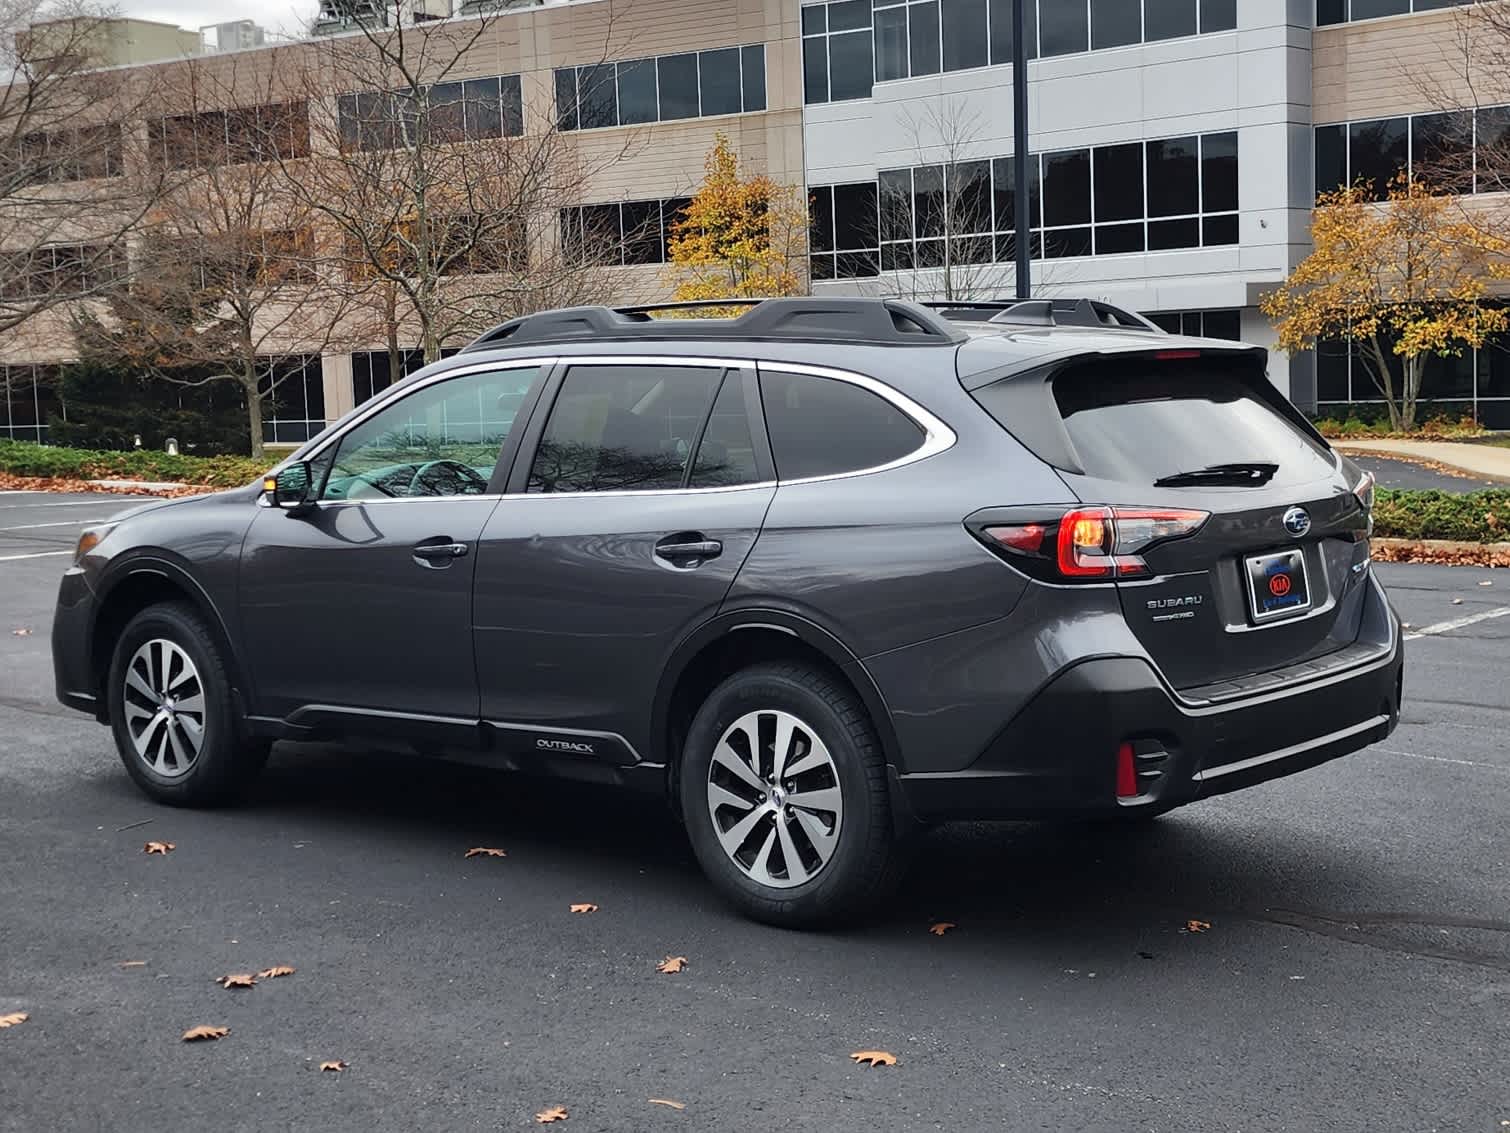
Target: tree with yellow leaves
<point>742,236</point>
<point>1399,281</point>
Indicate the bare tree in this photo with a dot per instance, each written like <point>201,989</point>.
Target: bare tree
<point>66,142</point>
<point>1464,148</point>
<point>935,217</point>
<point>226,271</point>
<point>445,205</point>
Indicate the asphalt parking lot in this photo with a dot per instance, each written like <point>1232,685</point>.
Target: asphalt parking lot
<point>1355,975</point>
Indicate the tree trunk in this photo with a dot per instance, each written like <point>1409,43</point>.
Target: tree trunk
<point>253,411</point>
<point>390,317</point>
<point>1414,368</point>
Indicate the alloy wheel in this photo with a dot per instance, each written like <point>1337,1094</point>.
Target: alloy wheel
<point>773,795</point>
<point>165,707</point>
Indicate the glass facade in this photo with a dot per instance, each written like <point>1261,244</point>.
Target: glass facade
<point>664,88</point>
<point>850,45</point>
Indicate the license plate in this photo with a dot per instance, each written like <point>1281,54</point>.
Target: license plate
<point>1277,585</point>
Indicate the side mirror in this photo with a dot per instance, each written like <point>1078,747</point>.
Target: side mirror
<point>292,489</point>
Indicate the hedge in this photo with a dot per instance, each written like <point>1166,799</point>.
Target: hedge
<point>1470,517</point>
<point>23,458</point>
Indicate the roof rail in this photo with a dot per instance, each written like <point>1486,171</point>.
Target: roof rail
<point>803,318</point>
<point>1043,313</point>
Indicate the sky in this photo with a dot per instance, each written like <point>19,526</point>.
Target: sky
<point>286,16</point>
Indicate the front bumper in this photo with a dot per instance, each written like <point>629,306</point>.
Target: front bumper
<point>72,629</point>
<point>1057,757</point>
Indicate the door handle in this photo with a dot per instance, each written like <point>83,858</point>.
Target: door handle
<point>677,547</point>
<point>440,552</point>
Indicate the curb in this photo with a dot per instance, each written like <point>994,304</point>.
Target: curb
<point>1415,458</point>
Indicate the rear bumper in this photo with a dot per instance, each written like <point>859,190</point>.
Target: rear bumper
<point>72,626</point>
<point>1057,757</point>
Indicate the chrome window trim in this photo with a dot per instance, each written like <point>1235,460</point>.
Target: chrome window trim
<point>937,436</point>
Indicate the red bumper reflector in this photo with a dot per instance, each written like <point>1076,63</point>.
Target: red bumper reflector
<point>1127,774</point>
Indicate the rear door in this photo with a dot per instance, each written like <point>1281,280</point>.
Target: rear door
<point>1274,576</point>
<point>638,494</point>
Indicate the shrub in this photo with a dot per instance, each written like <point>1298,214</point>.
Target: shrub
<point>1471,517</point>
<point>22,458</point>
<point>108,407</point>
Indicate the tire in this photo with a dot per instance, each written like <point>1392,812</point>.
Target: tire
<point>170,645</point>
<point>862,859</point>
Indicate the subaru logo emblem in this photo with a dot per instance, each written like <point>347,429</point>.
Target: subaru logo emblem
<point>1297,521</point>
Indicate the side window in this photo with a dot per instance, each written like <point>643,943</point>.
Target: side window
<point>623,428</point>
<point>823,427</point>
<point>726,454</point>
<point>442,440</point>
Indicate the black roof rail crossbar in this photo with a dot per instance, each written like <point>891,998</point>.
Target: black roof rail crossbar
<point>1045,313</point>
<point>800,318</point>
<point>688,305</point>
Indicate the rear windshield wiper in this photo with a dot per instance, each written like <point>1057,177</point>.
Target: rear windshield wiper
<point>1254,472</point>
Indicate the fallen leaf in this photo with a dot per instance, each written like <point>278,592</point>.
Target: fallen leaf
<point>942,927</point>
<point>204,1033</point>
<point>874,1058</point>
<point>238,979</point>
<point>1197,926</point>
<point>21,633</point>
<point>667,1102</point>
<point>335,1065</point>
<point>13,1020</point>
<point>274,972</point>
<point>584,908</point>
<point>555,1113</point>
<point>1457,601</point>
<point>158,848</point>
<point>132,964</point>
<point>672,964</point>
<point>484,852</point>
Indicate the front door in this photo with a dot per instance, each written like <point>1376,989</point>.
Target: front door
<point>359,613</point>
<point>643,496</point>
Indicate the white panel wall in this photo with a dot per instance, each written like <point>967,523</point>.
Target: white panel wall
<point>1255,80</point>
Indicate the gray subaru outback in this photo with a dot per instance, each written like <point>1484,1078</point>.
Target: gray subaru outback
<point>820,574</point>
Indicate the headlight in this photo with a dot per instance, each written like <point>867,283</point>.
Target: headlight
<point>91,538</point>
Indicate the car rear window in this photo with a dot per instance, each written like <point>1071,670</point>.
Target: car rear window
<point>1143,421</point>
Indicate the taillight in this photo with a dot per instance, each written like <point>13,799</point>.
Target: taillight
<point>1090,544</point>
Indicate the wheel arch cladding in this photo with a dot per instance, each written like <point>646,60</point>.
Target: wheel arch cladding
<point>725,646</point>
<point>131,591</point>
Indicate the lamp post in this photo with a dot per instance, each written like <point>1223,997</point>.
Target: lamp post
<point>1020,149</point>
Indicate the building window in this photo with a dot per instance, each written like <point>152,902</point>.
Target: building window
<point>625,233</point>
<point>1455,151</point>
<point>231,137</point>
<point>665,88</point>
<point>1344,11</point>
<point>293,387</point>
<point>60,271</point>
<point>465,111</point>
<point>371,371</point>
<point>844,238</point>
<point>1082,202</point>
<point>28,397</point>
<point>67,155</point>
<point>1200,324</point>
<point>847,45</point>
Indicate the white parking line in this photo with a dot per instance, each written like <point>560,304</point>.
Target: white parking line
<point>33,555</point>
<point>33,526</point>
<point>1443,759</point>
<point>1457,623</point>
